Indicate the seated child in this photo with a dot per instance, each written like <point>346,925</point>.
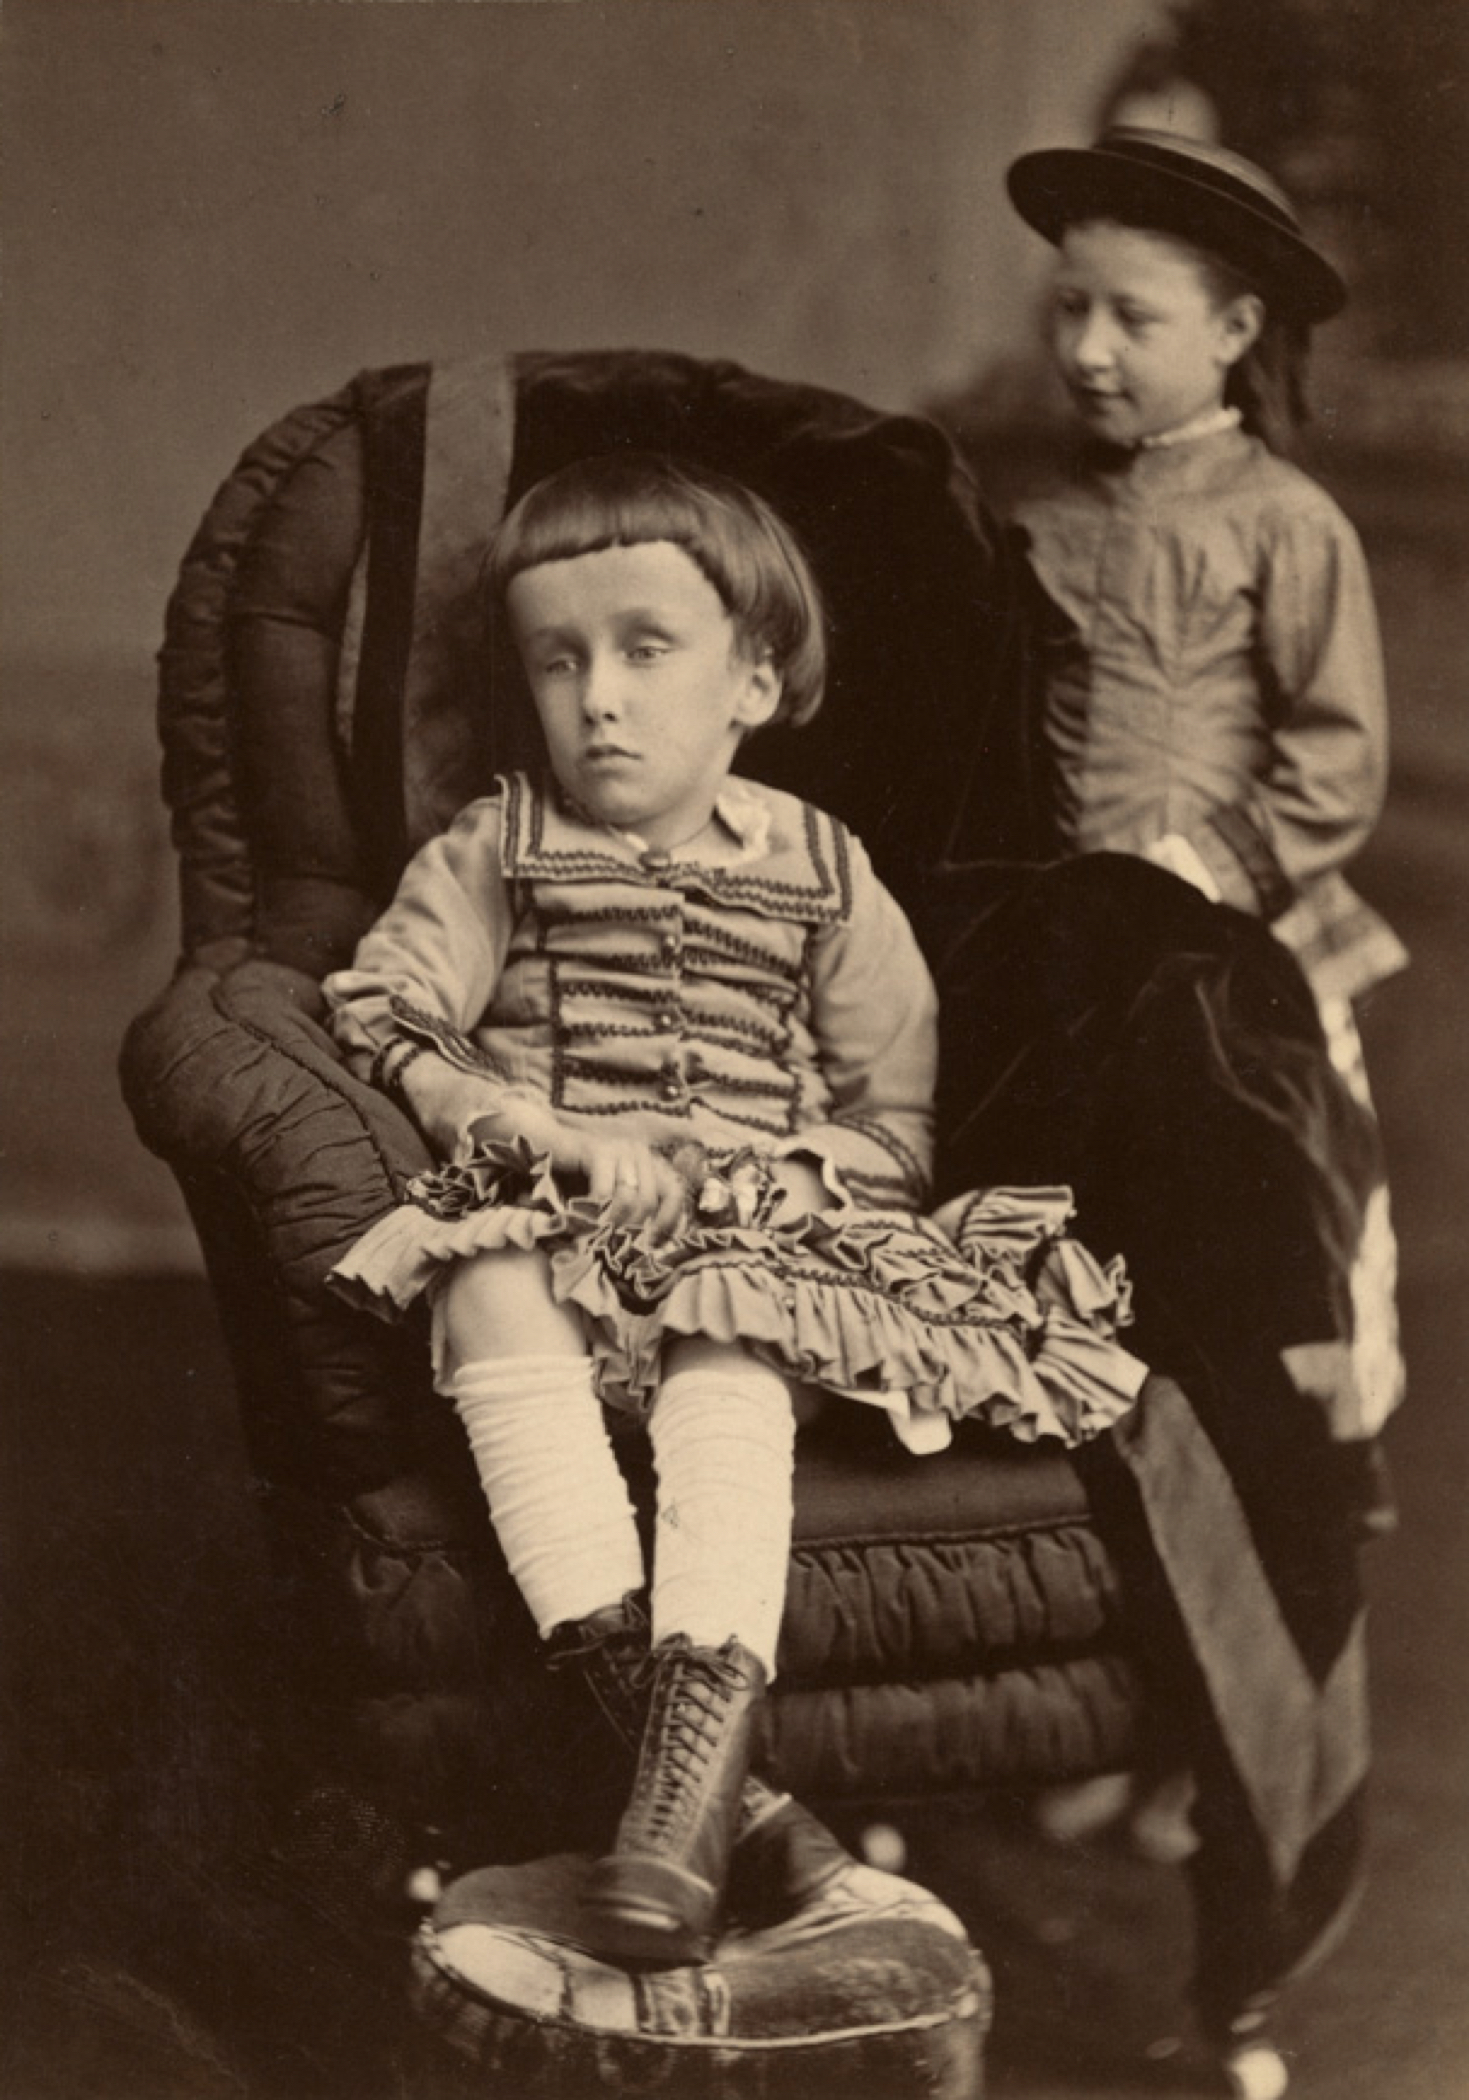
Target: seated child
<point>675,1044</point>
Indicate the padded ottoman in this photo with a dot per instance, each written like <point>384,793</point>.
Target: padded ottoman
<point>873,1989</point>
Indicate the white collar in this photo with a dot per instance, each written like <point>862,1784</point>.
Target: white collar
<point>1209,424</point>
<point>740,808</point>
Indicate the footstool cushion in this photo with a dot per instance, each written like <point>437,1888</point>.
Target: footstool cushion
<point>873,1988</point>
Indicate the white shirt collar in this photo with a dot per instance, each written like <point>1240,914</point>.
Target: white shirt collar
<point>740,808</point>
<point>1209,424</point>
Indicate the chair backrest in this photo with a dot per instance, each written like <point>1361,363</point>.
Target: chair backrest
<point>327,698</point>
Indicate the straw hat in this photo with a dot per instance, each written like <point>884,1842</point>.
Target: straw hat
<point>1204,193</point>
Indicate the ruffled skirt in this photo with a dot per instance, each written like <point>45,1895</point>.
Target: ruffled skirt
<point>987,1308</point>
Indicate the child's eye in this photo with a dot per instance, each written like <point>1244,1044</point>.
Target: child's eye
<point>647,652</point>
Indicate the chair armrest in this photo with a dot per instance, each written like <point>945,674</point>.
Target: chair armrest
<point>234,1073</point>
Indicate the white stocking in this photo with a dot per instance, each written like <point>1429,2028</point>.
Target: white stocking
<point>557,1497</point>
<point>723,1435</point>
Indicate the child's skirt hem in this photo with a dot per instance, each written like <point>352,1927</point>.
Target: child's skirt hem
<point>1014,1325</point>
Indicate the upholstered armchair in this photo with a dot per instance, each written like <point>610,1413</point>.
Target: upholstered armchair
<point>991,1616</point>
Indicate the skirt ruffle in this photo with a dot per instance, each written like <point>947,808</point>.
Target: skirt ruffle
<point>985,1309</point>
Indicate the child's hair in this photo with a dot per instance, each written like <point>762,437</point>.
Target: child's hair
<point>1268,384</point>
<point>733,537</point>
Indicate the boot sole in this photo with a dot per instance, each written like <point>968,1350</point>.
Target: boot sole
<point>658,1916</point>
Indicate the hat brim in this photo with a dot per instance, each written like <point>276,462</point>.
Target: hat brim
<point>1056,188</point>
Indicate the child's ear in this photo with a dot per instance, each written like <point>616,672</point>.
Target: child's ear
<point>1243,319</point>
<point>761,696</point>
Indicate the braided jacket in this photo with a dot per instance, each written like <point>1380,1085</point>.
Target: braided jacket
<point>767,993</point>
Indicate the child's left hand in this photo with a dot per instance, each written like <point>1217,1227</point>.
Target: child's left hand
<point>632,1183</point>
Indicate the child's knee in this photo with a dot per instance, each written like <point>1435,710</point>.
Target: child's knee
<point>501,1304</point>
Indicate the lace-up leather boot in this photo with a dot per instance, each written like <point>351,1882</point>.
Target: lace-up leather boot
<point>657,1895</point>
<point>783,1856</point>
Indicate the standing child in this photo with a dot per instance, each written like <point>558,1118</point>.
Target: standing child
<point>676,1043</point>
<point>1213,694</point>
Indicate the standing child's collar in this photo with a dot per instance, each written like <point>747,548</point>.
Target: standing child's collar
<point>1209,424</point>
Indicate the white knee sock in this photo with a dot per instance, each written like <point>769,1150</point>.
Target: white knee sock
<point>557,1497</point>
<point>723,1433</point>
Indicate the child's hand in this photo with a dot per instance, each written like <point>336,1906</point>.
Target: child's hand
<point>633,1183</point>
<point>1181,859</point>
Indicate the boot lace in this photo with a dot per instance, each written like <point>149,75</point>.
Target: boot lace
<point>691,1699</point>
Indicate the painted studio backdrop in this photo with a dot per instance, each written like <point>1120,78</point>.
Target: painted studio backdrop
<point>218,211</point>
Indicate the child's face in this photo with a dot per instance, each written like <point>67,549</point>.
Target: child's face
<point>1137,332</point>
<point>640,682</point>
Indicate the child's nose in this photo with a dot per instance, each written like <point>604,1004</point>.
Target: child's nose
<point>1092,344</point>
<point>601,691</point>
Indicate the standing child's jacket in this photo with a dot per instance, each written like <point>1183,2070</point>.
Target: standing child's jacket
<point>1210,668</point>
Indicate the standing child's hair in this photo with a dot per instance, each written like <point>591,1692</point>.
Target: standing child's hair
<point>733,537</point>
<point>1241,226</point>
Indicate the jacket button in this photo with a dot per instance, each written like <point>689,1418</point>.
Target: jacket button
<point>665,1020</point>
<point>671,1089</point>
<point>668,946</point>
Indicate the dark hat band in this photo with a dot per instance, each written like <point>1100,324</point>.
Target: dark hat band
<point>1200,192</point>
<point>1229,173</point>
